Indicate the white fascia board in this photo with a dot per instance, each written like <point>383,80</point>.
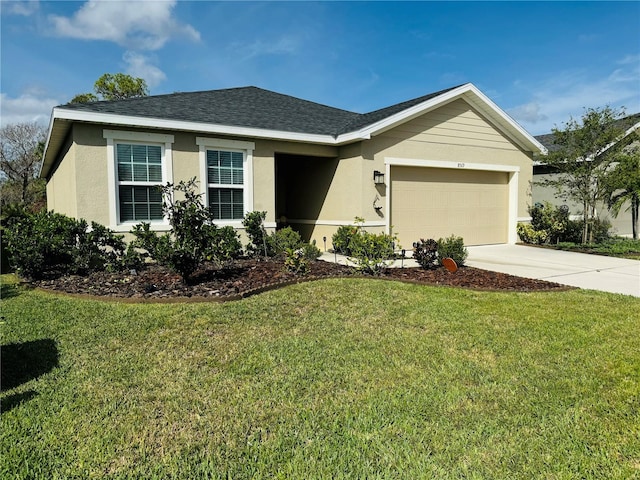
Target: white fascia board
<point>125,120</point>
<point>416,110</point>
<point>46,146</point>
<point>468,91</point>
<point>506,121</point>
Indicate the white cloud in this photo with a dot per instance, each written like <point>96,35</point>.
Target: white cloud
<point>567,94</point>
<point>139,66</point>
<point>147,25</point>
<point>28,107</point>
<point>285,45</point>
<point>24,8</point>
<point>529,112</point>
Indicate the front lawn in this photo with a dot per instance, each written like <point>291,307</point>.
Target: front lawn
<point>350,378</point>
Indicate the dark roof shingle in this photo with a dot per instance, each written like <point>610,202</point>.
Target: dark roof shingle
<point>251,107</point>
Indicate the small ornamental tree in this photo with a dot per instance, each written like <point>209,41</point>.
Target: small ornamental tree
<point>581,156</point>
<point>193,239</point>
<point>622,182</point>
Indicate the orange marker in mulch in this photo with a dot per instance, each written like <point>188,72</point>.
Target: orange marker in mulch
<point>450,264</point>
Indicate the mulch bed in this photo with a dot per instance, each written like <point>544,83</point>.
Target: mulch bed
<point>249,276</point>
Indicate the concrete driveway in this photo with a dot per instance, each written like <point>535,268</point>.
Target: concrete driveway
<point>596,272</point>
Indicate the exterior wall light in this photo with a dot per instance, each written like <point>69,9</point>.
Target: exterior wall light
<point>378,177</point>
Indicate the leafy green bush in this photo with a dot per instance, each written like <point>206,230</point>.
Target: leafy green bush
<point>342,238</point>
<point>528,234</point>
<point>48,244</point>
<point>551,224</point>
<point>194,237</point>
<point>295,261</point>
<point>453,247</point>
<point>425,252</point>
<point>282,240</point>
<point>311,251</point>
<point>552,220</point>
<point>253,223</point>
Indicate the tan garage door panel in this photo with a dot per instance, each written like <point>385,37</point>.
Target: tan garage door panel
<point>437,202</point>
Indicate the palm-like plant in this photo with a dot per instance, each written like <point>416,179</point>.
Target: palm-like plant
<point>622,183</point>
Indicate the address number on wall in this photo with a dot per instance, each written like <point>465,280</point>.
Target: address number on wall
<point>460,165</point>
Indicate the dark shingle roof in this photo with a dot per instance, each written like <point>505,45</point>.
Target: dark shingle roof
<point>248,107</point>
<point>548,139</point>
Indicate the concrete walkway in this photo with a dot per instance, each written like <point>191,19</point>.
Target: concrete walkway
<point>595,272</point>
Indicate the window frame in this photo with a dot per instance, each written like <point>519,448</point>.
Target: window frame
<point>115,137</point>
<point>246,148</point>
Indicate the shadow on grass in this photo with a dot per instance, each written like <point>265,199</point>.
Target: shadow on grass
<point>25,361</point>
<point>11,401</point>
<point>9,290</point>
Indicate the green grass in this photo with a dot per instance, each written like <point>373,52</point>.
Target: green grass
<point>332,379</point>
<point>614,247</point>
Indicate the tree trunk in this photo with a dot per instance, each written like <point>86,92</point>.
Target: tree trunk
<point>635,207</point>
<point>585,224</point>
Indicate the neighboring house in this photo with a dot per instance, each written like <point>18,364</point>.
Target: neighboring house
<point>620,225</point>
<point>451,162</point>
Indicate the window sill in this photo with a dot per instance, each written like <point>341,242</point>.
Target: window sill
<point>153,226</point>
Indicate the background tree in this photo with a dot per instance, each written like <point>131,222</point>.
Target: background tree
<point>116,86</point>
<point>21,148</point>
<point>622,182</point>
<point>581,158</point>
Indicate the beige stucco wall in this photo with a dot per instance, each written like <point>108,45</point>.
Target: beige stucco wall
<point>453,133</point>
<point>61,185</point>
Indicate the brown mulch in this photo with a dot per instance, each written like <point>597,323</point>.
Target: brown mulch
<point>249,276</point>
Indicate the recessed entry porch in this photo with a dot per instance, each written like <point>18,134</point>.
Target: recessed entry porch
<point>302,187</point>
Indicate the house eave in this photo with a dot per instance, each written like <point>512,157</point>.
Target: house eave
<point>62,119</point>
<point>478,100</point>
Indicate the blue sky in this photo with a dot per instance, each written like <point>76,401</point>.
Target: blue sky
<point>541,62</point>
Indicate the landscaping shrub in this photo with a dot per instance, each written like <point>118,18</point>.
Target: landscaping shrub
<point>425,252</point>
<point>552,225</point>
<point>342,238</point>
<point>282,240</point>
<point>552,220</point>
<point>253,223</point>
<point>453,247</point>
<point>48,244</point>
<point>311,251</point>
<point>194,237</point>
<point>295,261</point>
<point>369,251</point>
<point>528,234</point>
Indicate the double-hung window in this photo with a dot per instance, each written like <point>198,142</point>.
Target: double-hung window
<point>140,164</point>
<point>226,170</point>
<point>139,178</point>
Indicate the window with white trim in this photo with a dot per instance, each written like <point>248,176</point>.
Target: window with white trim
<point>140,163</point>
<point>139,181</point>
<point>226,170</point>
<point>225,184</point>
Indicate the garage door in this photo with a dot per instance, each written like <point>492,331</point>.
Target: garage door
<point>437,202</point>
